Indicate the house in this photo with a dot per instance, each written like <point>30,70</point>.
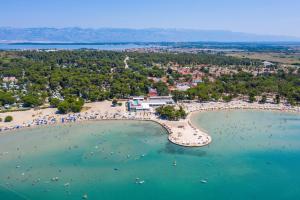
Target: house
<point>183,86</point>
<point>196,81</point>
<point>164,79</point>
<point>10,79</point>
<point>184,71</point>
<point>154,79</point>
<point>152,92</point>
<point>171,88</point>
<point>197,74</point>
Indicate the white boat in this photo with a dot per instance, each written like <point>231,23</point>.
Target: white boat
<point>203,181</point>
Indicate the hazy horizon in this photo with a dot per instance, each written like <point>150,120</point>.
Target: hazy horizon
<point>147,28</point>
<point>115,35</point>
<point>254,17</point>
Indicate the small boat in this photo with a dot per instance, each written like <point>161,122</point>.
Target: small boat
<point>174,163</point>
<point>203,181</point>
<point>138,181</point>
<point>55,179</point>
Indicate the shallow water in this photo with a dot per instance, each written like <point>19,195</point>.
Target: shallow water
<point>254,155</point>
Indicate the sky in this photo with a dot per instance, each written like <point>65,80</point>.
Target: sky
<point>272,17</point>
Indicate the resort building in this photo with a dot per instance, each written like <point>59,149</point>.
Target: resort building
<point>137,104</point>
<point>160,101</point>
<point>144,104</point>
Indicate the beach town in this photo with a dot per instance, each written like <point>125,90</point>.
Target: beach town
<point>193,83</point>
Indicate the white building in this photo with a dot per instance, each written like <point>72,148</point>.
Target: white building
<point>142,104</point>
<point>160,101</point>
<point>267,64</point>
<point>183,86</point>
<point>138,104</point>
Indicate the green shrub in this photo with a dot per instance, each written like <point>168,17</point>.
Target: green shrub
<point>8,119</point>
<point>227,98</point>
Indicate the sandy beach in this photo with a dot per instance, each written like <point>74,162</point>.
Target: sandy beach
<point>181,132</point>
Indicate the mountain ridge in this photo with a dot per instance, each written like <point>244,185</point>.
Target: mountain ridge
<point>91,35</point>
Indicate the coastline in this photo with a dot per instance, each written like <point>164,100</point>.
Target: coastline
<point>181,132</point>
<point>239,105</point>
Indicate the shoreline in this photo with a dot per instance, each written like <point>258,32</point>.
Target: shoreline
<point>239,105</point>
<point>82,122</point>
<point>182,132</point>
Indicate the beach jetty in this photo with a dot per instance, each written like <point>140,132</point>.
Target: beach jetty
<point>183,133</point>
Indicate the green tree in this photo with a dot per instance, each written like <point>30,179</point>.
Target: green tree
<point>203,96</point>
<point>31,100</point>
<point>181,113</point>
<point>252,97</point>
<point>6,98</point>
<point>162,88</point>
<point>54,102</point>
<point>178,95</point>
<point>71,104</point>
<point>170,113</point>
<point>63,107</point>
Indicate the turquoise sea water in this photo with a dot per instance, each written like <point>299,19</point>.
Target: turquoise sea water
<point>254,155</point>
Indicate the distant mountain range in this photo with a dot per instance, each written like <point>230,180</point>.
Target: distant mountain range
<point>114,35</point>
